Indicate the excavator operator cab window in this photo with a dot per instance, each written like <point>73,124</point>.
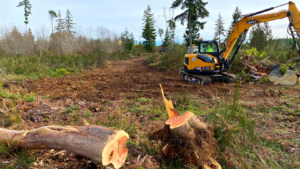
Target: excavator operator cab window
<point>208,47</point>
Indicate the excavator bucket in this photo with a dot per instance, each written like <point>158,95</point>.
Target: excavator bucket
<point>275,73</point>
<point>288,79</point>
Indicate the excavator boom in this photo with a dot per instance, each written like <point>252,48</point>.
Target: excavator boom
<point>249,20</point>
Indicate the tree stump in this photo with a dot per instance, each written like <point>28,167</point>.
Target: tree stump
<point>99,143</point>
<point>188,138</point>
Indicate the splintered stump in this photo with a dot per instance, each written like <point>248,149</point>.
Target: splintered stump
<point>188,138</point>
<point>99,143</point>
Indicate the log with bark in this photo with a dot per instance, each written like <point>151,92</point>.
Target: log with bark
<point>98,143</point>
<point>188,138</point>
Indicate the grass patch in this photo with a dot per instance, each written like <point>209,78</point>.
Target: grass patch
<point>242,147</point>
<point>30,97</point>
<point>184,102</point>
<point>21,158</point>
<point>88,114</point>
<point>118,119</point>
<point>24,67</point>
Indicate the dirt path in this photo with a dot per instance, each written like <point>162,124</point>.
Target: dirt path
<point>133,78</point>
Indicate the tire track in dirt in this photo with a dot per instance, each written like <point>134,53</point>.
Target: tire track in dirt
<point>133,78</point>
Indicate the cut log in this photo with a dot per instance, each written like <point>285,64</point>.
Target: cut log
<point>187,138</point>
<point>98,143</point>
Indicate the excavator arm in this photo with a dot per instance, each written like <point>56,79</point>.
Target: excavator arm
<point>242,27</point>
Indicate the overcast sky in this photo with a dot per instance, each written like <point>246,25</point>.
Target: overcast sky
<point>119,14</point>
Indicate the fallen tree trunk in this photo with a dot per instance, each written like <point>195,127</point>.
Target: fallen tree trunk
<point>188,138</point>
<point>99,143</point>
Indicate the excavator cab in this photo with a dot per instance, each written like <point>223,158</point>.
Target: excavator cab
<point>210,48</point>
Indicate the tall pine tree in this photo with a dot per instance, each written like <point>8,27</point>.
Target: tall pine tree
<point>149,32</point>
<point>219,29</point>
<point>60,27</point>
<point>193,10</point>
<point>27,10</point>
<point>69,24</point>
<point>235,17</point>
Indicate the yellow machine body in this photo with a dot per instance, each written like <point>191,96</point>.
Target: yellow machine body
<point>195,63</point>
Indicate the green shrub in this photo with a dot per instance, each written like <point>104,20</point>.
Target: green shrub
<point>142,100</point>
<point>171,59</point>
<point>254,51</point>
<point>30,97</point>
<point>264,80</point>
<point>88,114</point>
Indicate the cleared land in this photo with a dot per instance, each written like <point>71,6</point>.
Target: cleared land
<point>127,95</point>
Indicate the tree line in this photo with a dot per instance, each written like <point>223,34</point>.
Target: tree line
<point>193,10</point>
<point>64,39</point>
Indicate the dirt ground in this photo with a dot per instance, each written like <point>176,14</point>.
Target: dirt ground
<point>133,79</point>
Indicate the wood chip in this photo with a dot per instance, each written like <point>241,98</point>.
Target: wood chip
<point>143,160</point>
<point>60,152</point>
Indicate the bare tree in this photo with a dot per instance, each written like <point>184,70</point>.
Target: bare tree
<point>42,39</point>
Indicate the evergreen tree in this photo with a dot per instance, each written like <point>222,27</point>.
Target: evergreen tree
<point>30,35</point>
<point>69,22</point>
<point>160,32</point>
<point>60,23</point>
<point>53,15</point>
<point>149,32</point>
<point>268,31</point>
<point>27,10</point>
<point>258,37</point>
<point>219,29</point>
<point>167,40</point>
<point>195,35</point>
<point>194,9</point>
<point>235,17</point>
<point>127,40</point>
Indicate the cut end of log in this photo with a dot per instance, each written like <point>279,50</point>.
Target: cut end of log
<point>179,120</point>
<point>115,152</point>
<point>169,105</point>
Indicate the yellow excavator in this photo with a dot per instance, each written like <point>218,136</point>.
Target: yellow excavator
<point>212,64</point>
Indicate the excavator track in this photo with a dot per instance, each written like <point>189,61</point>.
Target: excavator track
<point>230,77</point>
<point>195,79</point>
<point>206,80</point>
